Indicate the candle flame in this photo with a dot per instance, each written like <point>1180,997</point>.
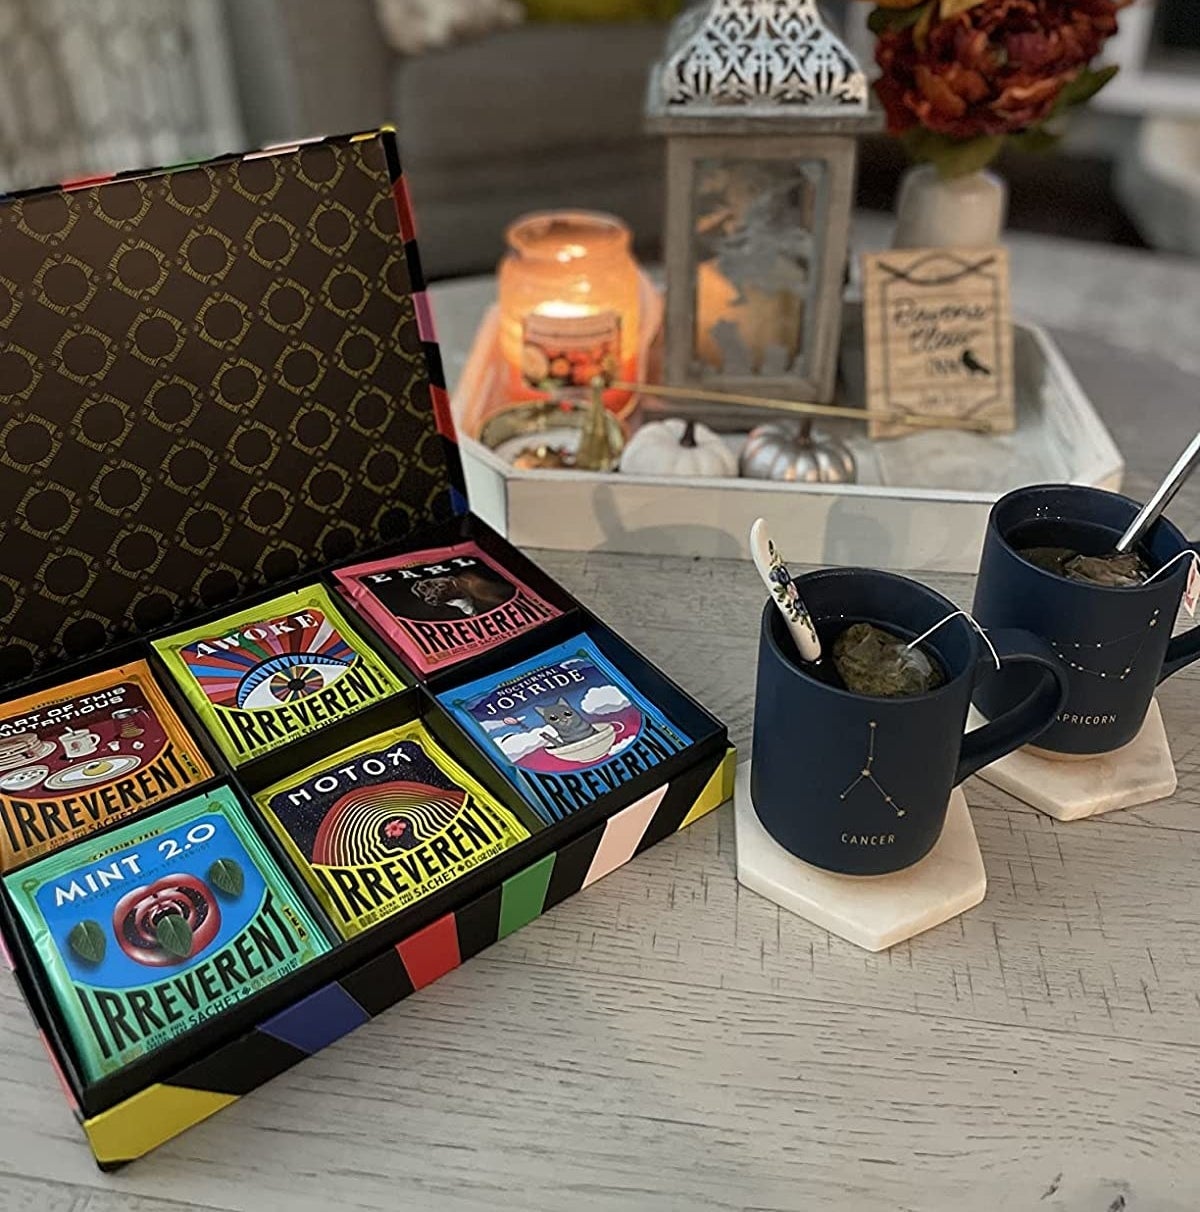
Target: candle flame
<point>560,310</point>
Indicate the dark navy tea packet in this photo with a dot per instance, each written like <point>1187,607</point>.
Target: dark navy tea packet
<point>566,727</point>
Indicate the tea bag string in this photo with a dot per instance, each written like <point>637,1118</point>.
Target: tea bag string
<point>1183,555</point>
<point>960,614</point>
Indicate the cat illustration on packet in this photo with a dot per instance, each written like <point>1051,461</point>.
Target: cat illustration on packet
<point>566,727</point>
<point>574,737</point>
<point>444,605</point>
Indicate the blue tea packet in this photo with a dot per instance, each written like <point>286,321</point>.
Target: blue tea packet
<point>148,931</point>
<point>565,727</point>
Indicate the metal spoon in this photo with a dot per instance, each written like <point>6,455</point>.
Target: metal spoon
<point>1153,508</point>
<point>783,592</point>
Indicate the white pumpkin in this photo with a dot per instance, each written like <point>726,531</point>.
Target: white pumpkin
<point>678,448</point>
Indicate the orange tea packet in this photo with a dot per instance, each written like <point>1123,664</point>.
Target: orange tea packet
<point>86,755</point>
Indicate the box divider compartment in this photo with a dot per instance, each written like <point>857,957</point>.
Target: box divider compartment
<point>709,747</point>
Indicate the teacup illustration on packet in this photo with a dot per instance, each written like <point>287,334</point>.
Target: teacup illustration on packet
<point>79,742</point>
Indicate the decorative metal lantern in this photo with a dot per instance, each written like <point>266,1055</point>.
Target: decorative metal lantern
<point>761,106</point>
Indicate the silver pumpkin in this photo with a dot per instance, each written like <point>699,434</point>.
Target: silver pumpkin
<point>792,453</point>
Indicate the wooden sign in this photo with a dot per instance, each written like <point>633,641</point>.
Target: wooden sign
<point>939,336</point>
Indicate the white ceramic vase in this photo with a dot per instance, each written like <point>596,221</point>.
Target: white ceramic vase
<point>964,212</point>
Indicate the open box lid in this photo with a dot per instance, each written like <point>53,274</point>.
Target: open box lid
<point>213,378</point>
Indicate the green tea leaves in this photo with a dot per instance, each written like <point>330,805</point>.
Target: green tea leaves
<point>226,876</point>
<point>174,936</point>
<point>88,942</point>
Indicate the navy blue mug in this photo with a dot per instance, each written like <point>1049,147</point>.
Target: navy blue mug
<point>1116,643</point>
<point>861,785</point>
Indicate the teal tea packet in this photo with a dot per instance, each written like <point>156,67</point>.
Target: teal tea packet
<point>146,932</point>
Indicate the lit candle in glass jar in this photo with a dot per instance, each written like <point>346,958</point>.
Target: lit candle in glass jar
<point>569,303</point>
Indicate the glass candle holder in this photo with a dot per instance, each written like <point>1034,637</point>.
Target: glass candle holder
<point>569,305</point>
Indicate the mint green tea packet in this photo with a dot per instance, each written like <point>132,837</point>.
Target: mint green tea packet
<point>150,930</point>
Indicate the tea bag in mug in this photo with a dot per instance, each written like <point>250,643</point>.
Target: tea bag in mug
<point>874,662</point>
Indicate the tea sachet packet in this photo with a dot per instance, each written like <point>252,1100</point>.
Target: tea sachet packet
<point>150,930</point>
<point>567,727</point>
<point>86,755</point>
<point>444,605</point>
<point>267,676</point>
<point>380,826</point>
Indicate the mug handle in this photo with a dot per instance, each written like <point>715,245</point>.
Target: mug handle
<point>1027,720</point>
<point>1183,650</point>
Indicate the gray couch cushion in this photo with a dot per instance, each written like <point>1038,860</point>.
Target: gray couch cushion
<point>542,116</point>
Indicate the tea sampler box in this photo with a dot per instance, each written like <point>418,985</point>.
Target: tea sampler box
<point>253,787</point>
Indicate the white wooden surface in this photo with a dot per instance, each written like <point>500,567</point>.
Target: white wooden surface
<point>667,1041</point>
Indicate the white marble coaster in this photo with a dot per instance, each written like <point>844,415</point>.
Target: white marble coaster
<point>1140,773</point>
<point>872,911</point>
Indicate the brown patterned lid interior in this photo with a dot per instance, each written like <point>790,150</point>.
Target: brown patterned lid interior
<point>211,380</point>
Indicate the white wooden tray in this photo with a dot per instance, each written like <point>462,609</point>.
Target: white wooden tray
<point>922,501</point>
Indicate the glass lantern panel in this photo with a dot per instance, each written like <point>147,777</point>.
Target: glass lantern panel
<point>756,249</point>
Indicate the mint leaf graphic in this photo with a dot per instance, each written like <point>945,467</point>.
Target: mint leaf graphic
<point>88,942</point>
<point>174,936</point>
<point>226,876</point>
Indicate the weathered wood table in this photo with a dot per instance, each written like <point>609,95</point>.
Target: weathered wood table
<point>668,1040</point>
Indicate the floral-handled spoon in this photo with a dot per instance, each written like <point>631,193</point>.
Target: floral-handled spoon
<point>783,591</point>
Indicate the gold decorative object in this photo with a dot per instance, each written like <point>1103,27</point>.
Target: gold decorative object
<point>916,420</point>
<point>544,458</point>
<point>557,428</point>
<point>597,450</point>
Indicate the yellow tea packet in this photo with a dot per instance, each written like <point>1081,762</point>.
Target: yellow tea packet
<point>267,676</point>
<point>383,824</point>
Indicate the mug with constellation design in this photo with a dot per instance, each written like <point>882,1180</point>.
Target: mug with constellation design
<point>861,785</point>
<point>1115,642</point>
